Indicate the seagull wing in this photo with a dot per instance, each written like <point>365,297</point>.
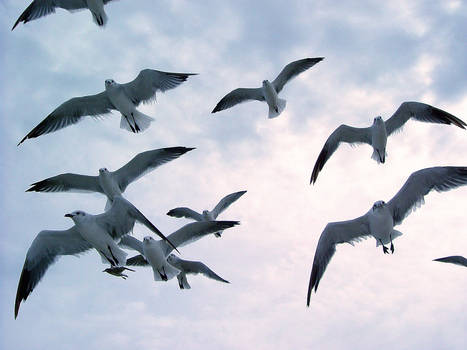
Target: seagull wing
<point>71,112</point>
<point>421,112</point>
<point>238,96</point>
<point>137,260</point>
<point>40,8</point>
<point>132,243</point>
<point>456,259</point>
<point>145,162</point>
<point>334,233</point>
<point>225,202</point>
<point>419,184</point>
<point>43,252</point>
<point>67,182</point>
<point>343,133</point>
<point>144,87</point>
<point>195,267</point>
<point>184,212</point>
<point>293,69</point>
<point>120,219</point>
<point>194,231</point>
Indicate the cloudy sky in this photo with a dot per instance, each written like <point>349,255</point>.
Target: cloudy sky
<point>377,55</point>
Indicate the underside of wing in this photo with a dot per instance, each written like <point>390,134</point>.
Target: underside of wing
<point>455,259</point>
<point>184,212</point>
<point>293,69</point>
<point>67,182</point>
<point>225,202</point>
<point>238,96</point>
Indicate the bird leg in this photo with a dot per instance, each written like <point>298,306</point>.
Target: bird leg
<point>163,274</point>
<point>110,250</point>
<point>131,126</point>
<point>385,249</point>
<point>136,125</point>
<point>112,263</point>
<point>392,245</point>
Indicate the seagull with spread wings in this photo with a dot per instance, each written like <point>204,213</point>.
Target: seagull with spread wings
<point>270,90</point>
<point>207,215</point>
<point>155,253</point>
<point>377,134</point>
<point>455,259</point>
<point>122,97</point>
<point>380,220</point>
<point>90,231</point>
<point>40,8</point>
<point>110,183</point>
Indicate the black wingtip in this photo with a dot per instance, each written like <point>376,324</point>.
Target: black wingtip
<point>24,138</point>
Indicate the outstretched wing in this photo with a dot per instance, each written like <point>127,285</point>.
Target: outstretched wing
<point>225,202</point>
<point>132,243</point>
<point>334,233</point>
<point>421,112</point>
<point>343,133</point>
<point>238,96</point>
<point>184,212</point>
<point>43,252</point>
<point>40,8</point>
<point>144,87</point>
<point>71,112</point>
<point>195,230</point>
<point>420,183</point>
<point>293,69</point>
<point>145,162</point>
<point>195,267</point>
<point>137,260</point>
<point>455,259</point>
<point>67,182</point>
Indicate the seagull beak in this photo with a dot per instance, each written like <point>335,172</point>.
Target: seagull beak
<point>68,215</point>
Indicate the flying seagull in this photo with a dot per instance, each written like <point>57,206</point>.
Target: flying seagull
<point>122,97</point>
<point>207,215</point>
<point>40,8</point>
<point>155,253</point>
<point>269,91</point>
<point>377,134</point>
<point>110,183</point>
<point>90,231</point>
<point>456,259</point>
<point>380,220</point>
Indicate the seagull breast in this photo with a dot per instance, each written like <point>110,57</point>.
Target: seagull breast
<point>108,184</point>
<point>117,96</point>
<point>378,140</point>
<point>381,222</point>
<point>270,95</point>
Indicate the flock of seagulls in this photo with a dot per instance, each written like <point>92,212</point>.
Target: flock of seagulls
<point>110,232</point>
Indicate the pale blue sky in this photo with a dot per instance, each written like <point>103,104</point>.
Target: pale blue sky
<point>377,55</point>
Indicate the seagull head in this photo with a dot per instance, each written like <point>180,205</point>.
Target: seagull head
<point>148,239</point>
<point>76,216</point>
<point>378,119</point>
<point>109,82</point>
<point>171,259</point>
<point>103,171</point>
<point>378,204</point>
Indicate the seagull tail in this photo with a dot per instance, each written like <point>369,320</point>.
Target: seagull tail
<point>380,158</point>
<point>99,17</point>
<point>280,107</point>
<point>136,123</point>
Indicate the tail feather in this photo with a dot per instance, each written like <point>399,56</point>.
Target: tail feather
<point>99,18</point>
<point>136,122</point>
<point>280,107</point>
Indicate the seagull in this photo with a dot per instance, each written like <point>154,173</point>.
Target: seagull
<point>122,97</point>
<point>40,8</point>
<point>380,220</point>
<point>155,253</point>
<point>90,231</point>
<point>110,183</point>
<point>118,271</point>
<point>269,91</point>
<point>456,259</point>
<point>207,215</point>
<point>377,134</point>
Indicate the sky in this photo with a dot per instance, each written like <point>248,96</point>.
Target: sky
<point>377,55</point>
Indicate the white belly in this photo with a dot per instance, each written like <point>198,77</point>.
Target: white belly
<point>109,185</point>
<point>381,224</point>
<point>378,141</point>
<point>120,100</point>
<point>270,95</point>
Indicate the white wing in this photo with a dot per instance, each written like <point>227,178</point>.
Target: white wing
<point>44,251</point>
<point>343,133</point>
<point>143,88</point>
<point>145,162</point>
<point>67,182</point>
<point>419,184</point>
<point>293,69</point>
<point>421,112</point>
<point>194,267</point>
<point>194,231</point>
<point>120,219</point>
<point>132,243</point>
<point>238,96</point>
<point>225,202</point>
<point>40,8</point>
<point>184,212</point>
<point>71,112</point>
<point>334,233</point>
<point>456,259</point>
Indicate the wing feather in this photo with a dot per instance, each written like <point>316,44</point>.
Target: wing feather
<point>225,202</point>
<point>67,182</point>
<point>293,69</point>
<point>184,212</point>
<point>455,259</point>
<point>238,96</point>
